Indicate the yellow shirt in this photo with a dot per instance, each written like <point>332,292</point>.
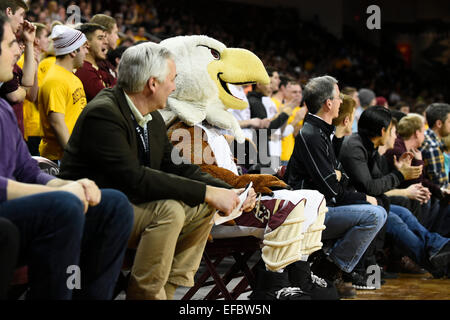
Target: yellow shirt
<point>31,119</point>
<point>288,142</point>
<point>61,92</point>
<point>139,38</point>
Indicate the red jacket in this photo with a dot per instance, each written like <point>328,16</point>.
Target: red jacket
<point>94,80</point>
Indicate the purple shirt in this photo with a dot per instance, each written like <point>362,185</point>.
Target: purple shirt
<point>16,162</point>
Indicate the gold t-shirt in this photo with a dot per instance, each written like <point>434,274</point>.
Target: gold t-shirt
<point>31,121</point>
<point>61,92</point>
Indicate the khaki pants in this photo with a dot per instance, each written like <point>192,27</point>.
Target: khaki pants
<point>170,237</point>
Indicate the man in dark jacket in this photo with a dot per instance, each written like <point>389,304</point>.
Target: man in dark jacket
<point>120,140</point>
<point>359,155</point>
<point>353,218</point>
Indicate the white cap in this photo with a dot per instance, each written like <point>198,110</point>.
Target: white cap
<point>66,40</point>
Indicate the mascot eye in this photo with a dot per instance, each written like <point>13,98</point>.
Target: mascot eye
<point>215,54</point>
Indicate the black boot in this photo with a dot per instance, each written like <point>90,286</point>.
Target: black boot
<point>300,275</point>
<point>275,286</point>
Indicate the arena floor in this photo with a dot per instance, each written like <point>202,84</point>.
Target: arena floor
<point>405,287</point>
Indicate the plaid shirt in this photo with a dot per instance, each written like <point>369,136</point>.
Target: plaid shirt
<point>433,156</point>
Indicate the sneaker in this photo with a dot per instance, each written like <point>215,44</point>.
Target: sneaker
<point>290,293</point>
<point>358,281</point>
<point>318,288</point>
<point>275,286</point>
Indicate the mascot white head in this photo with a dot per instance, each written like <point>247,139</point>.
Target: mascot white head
<point>205,68</point>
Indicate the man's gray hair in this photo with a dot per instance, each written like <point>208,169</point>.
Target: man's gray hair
<point>317,91</point>
<point>141,62</point>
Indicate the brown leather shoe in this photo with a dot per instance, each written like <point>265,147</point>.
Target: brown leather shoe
<point>345,289</point>
<point>407,265</point>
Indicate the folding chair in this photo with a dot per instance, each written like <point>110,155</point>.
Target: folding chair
<point>19,284</point>
<point>241,249</point>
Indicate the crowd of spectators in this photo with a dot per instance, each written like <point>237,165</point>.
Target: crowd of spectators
<point>306,114</point>
<point>277,35</point>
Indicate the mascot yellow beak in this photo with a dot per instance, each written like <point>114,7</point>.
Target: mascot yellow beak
<point>238,67</point>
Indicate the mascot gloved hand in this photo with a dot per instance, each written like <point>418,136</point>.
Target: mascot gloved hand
<point>289,223</point>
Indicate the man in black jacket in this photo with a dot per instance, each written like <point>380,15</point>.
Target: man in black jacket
<point>120,140</point>
<point>353,218</point>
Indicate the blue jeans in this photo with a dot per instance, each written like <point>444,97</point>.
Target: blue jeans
<point>411,237</point>
<point>353,227</point>
<point>56,234</point>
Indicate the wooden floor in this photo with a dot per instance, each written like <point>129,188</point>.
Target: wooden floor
<point>409,287</point>
<point>405,287</point>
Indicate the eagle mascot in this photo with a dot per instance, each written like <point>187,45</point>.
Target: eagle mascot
<point>288,222</point>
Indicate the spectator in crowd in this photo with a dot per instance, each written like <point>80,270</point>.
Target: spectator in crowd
<point>353,218</point>
<point>278,91</point>
<point>446,142</point>
<point>351,91</point>
<point>366,98</point>
<point>140,35</point>
<point>15,90</point>
<point>61,223</point>
<point>381,101</point>
<point>246,153</point>
<point>343,122</point>
<point>419,108</point>
<point>293,94</point>
<point>93,78</point>
<point>109,23</point>
<point>364,164</point>
<point>244,116</point>
<point>120,141</point>
<point>402,106</point>
<point>61,97</point>
<point>397,115</point>
<point>258,110</point>
<point>410,137</point>
<point>31,119</point>
<point>114,56</point>
<point>437,115</point>
<point>112,38</point>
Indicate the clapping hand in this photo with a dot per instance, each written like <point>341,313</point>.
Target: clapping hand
<point>404,166</point>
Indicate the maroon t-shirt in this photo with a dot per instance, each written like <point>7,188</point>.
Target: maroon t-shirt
<point>11,86</point>
<point>94,80</point>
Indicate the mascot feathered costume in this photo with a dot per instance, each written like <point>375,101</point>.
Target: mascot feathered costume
<point>290,223</point>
